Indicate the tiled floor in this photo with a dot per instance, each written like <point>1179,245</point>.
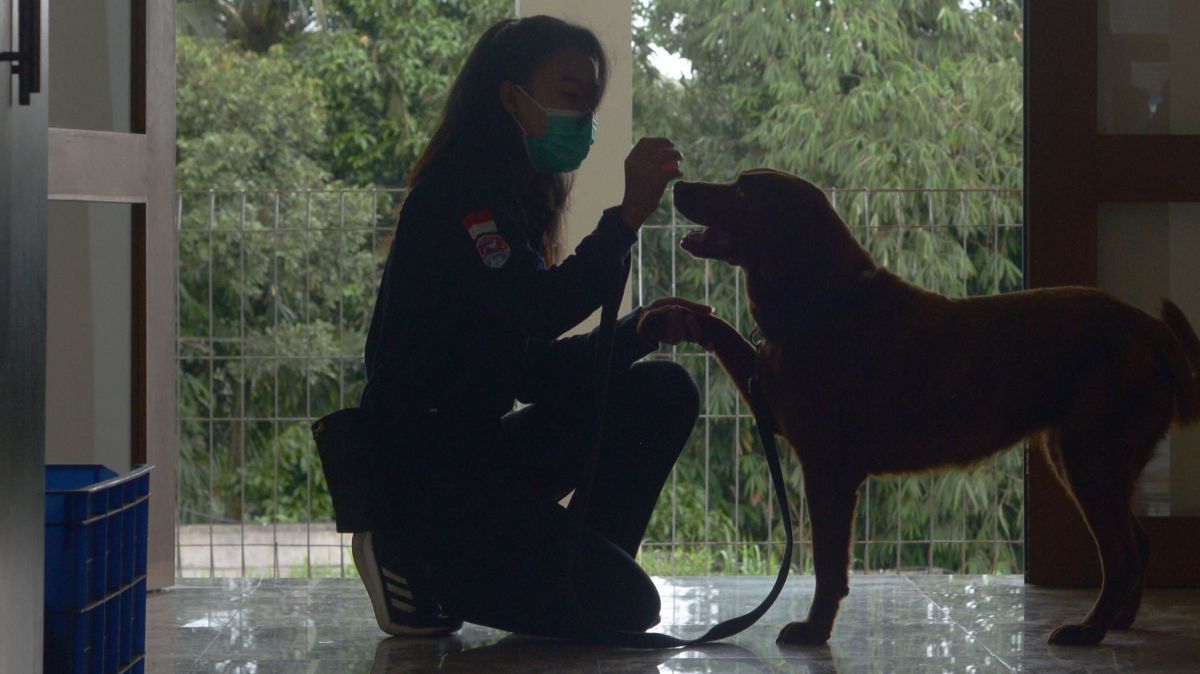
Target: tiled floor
<point>888,624</point>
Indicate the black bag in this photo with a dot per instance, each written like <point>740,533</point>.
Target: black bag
<point>347,444</point>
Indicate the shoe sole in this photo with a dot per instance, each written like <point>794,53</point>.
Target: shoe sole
<point>363,551</point>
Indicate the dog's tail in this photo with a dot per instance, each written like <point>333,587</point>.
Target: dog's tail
<point>1185,364</point>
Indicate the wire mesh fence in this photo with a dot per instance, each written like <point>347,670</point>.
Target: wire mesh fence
<point>275,296</point>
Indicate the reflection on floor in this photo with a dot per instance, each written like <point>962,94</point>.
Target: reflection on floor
<point>888,624</point>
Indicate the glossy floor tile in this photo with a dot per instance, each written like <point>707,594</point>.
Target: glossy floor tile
<point>887,624</point>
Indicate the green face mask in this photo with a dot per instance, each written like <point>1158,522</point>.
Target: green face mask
<point>567,141</point>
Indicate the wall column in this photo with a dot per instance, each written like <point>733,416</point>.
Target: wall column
<point>600,182</point>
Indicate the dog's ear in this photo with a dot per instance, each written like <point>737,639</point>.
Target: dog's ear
<point>785,217</point>
<point>780,253</point>
<point>808,238</point>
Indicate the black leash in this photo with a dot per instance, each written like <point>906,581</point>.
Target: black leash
<point>583,492</point>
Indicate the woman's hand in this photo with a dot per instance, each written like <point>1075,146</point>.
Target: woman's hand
<point>672,320</point>
<point>651,164</point>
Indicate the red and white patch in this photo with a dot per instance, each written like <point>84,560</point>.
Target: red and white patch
<point>479,223</point>
<point>493,250</point>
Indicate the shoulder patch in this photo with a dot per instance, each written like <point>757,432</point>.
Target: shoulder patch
<point>478,223</point>
<point>490,245</point>
<point>493,250</point>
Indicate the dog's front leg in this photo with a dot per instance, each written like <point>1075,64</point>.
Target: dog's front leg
<point>733,351</point>
<point>832,496</point>
<point>717,336</point>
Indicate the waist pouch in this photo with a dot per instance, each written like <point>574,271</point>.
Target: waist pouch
<point>371,465</point>
<point>348,445</point>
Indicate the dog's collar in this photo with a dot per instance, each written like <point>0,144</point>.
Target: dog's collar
<point>797,316</point>
<point>756,337</point>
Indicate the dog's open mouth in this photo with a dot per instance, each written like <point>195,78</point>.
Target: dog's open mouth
<point>709,242</point>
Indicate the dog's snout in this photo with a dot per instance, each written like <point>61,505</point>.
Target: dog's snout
<point>695,192</point>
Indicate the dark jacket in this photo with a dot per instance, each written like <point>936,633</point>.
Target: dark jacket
<point>468,317</point>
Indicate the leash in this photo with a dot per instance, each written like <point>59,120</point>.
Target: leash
<point>607,634</point>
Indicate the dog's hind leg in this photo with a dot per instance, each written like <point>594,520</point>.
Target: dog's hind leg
<point>832,498</point>
<point>1129,611</point>
<point>1102,491</point>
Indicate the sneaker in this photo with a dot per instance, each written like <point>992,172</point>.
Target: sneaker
<point>403,607</point>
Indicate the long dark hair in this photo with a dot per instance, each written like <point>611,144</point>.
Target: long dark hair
<point>476,130</point>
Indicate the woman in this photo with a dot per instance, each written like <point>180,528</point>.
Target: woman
<point>468,318</point>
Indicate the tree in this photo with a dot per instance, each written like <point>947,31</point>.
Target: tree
<point>246,120</point>
<point>385,67</point>
<point>255,25</point>
<point>879,93</point>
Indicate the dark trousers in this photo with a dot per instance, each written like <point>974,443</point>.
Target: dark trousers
<point>497,540</point>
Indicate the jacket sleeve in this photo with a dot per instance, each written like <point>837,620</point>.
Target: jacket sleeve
<point>565,366</point>
<point>490,260</point>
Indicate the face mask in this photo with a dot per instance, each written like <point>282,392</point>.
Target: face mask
<point>566,143</point>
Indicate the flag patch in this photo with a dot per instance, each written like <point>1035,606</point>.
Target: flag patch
<point>480,223</point>
<point>492,247</point>
<point>493,250</point>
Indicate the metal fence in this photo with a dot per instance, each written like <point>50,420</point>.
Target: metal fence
<point>275,296</point>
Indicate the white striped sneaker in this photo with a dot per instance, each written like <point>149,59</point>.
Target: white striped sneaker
<point>403,606</point>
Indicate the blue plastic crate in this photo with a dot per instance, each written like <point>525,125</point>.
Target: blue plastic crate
<point>96,523</point>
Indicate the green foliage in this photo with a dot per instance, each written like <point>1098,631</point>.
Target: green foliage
<point>244,120</point>
<point>381,69</point>
<point>253,25</point>
<point>385,68</point>
<point>852,93</point>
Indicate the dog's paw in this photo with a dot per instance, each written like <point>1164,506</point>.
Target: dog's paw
<point>1076,635</point>
<point>653,324</point>
<point>674,324</point>
<point>803,634</point>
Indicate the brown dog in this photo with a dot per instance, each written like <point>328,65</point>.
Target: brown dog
<point>868,375</point>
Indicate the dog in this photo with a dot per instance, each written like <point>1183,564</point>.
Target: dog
<point>866,374</point>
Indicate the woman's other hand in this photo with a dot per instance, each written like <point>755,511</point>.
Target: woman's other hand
<point>672,320</point>
<point>651,164</point>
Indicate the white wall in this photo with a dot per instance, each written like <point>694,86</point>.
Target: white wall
<point>89,65</point>
<point>1147,252</point>
<point>89,261</point>
<point>89,323</point>
<point>600,182</point>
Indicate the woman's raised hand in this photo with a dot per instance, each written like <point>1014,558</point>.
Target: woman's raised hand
<point>651,164</point>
